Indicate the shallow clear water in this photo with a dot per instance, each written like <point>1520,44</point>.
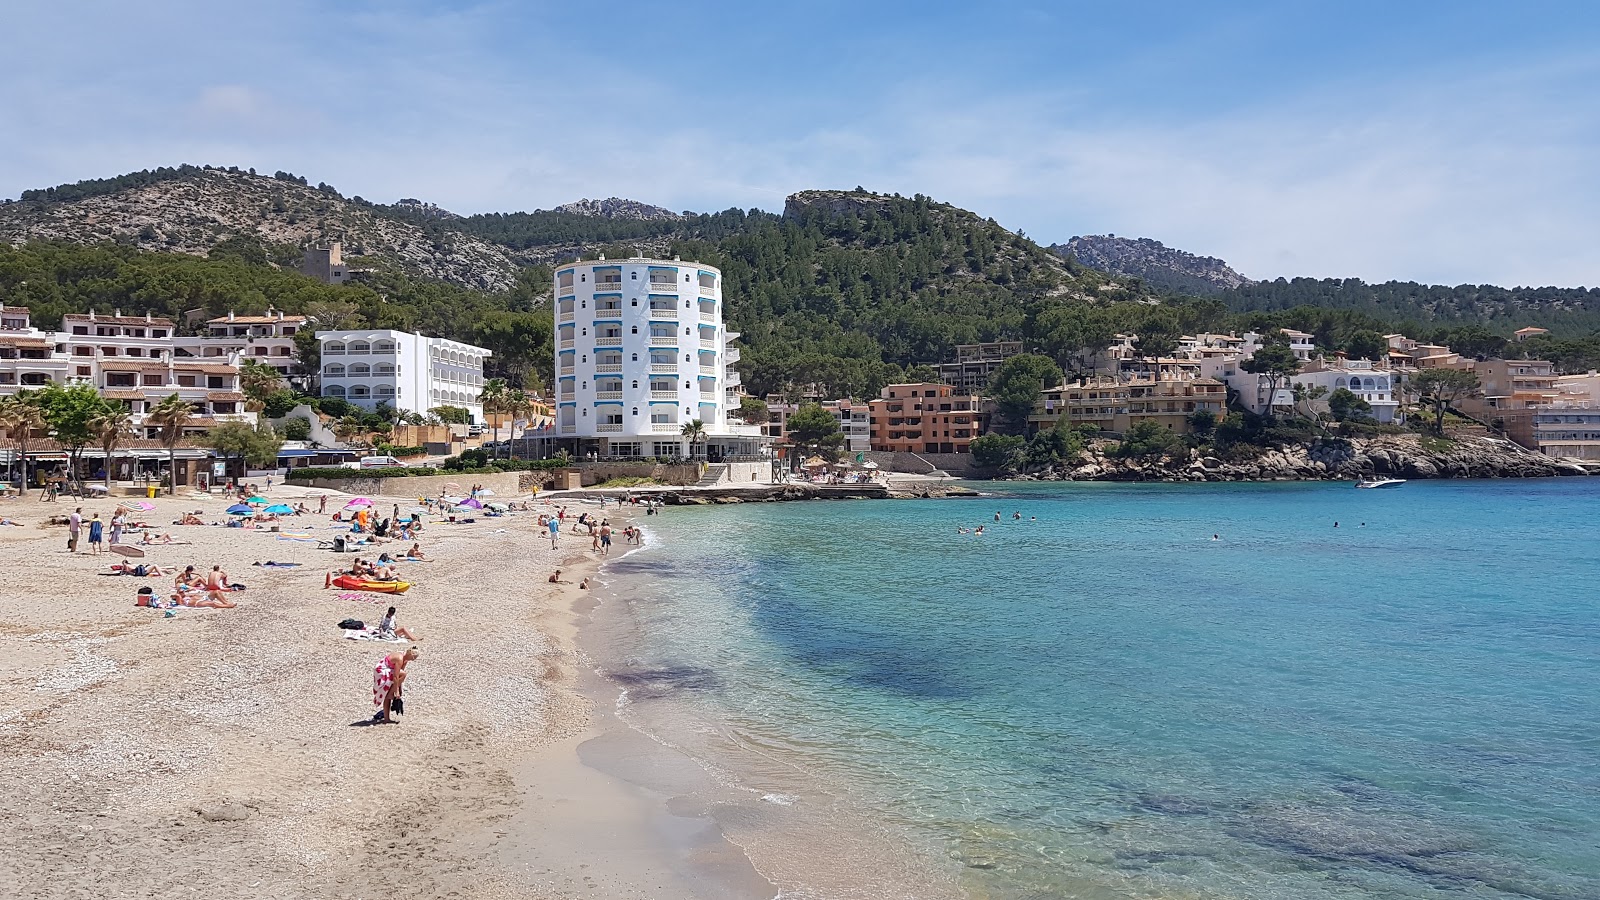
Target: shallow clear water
<point>1106,702</point>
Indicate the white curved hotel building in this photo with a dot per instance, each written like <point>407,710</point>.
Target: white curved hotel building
<point>409,372</point>
<point>641,349</point>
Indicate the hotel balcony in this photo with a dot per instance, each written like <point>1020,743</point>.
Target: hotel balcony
<point>565,290</point>
<point>663,313</point>
<point>666,428</point>
<point>732,378</point>
<point>663,287</point>
<point>567,344</point>
<point>569,429</point>
<point>708,370</point>
<point>603,368</point>
<point>608,427</point>
<point>664,395</point>
<point>568,395</point>
<point>708,316</point>
<point>708,345</point>
<point>607,395</point>
<point>731,355</point>
<point>663,368</point>
<point>568,370</point>
<point>707,291</point>
<point>657,340</point>
<point>608,287</point>
<point>567,316</point>
<point>608,341</point>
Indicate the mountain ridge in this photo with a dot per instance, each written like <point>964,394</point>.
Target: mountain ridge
<point>1168,268</point>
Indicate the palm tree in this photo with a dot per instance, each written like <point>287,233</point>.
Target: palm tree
<point>111,427</point>
<point>695,431</point>
<point>20,420</point>
<point>171,414</point>
<point>258,382</point>
<point>496,398</point>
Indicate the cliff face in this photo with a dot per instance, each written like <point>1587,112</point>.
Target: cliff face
<point>1394,456</point>
<point>193,213</point>
<point>1161,266</point>
<point>617,208</point>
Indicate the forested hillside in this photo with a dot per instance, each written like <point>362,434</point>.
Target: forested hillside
<point>847,290</point>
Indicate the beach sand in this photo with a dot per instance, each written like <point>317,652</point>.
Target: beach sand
<point>226,752</point>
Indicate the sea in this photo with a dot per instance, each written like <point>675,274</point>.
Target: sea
<point>1293,690</point>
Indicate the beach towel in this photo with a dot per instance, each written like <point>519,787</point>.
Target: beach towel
<point>370,634</point>
<point>269,564</point>
<point>360,598</point>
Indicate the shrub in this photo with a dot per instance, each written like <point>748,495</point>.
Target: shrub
<point>996,450</point>
<point>297,429</point>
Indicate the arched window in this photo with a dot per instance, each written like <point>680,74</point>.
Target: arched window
<point>635,329</point>
<point>383,370</point>
<point>1339,383</point>
<point>636,410</point>
<point>636,357</point>
<point>332,347</point>
<point>383,347</point>
<point>636,385</point>
<point>360,370</point>
<point>360,347</point>
<point>333,390</point>
<point>336,371</point>
<point>385,390</point>
<point>360,391</point>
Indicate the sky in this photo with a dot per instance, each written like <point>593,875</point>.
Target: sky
<point>1446,142</point>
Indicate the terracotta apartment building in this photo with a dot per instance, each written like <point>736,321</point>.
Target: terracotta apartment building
<point>924,418</point>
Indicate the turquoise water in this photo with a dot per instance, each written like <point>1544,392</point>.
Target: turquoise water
<point>1106,702</point>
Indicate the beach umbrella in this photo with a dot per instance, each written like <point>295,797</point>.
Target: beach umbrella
<point>280,509</point>
<point>241,509</point>
<point>485,492</point>
<point>125,550</point>
<point>869,465</point>
<point>470,504</point>
<point>498,507</point>
<point>258,501</point>
<point>98,488</point>
<point>453,501</point>
<point>359,501</point>
<point>143,506</point>
<point>814,462</point>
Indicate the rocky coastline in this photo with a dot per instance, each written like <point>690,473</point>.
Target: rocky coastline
<point>1391,456</point>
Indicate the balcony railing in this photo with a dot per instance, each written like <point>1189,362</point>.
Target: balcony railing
<point>663,368</point>
<point>708,370</point>
<point>565,290</point>
<point>608,341</point>
<point>607,287</point>
<point>663,313</point>
<point>665,428</point>
<point>605,368</point>
<point>663,287</point>
<point>567,316</point>
<point>608,395</point>
<point>657,340</point>
<point>707,316</point>
<point>569,429</point>
<point>567,370</point>
<point>663,395</point>
<point>707,291</point>
<point>567,344</point>
<point>608,427</point>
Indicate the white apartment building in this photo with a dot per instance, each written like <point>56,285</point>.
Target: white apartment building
<point>129,359</point>
<point>409,372</point>
<point>641,350</point>
<point>266,339</point>
<point>1359,377</point>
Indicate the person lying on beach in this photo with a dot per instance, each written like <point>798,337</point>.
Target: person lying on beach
<point>416,553</point>
<point>149,539</point>
<point>12,522</point>
<point>389,630</point>
<point>189,519</point>
<point>388,682</point>
<point>206,599</point>
<point>363,569</point>
<point>142,570</point>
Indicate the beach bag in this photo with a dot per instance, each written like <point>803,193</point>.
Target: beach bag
<point>353,625</point>
<point>145,596</point>
<point>398,706</point>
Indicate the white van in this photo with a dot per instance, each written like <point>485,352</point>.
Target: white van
<point>381,462</point>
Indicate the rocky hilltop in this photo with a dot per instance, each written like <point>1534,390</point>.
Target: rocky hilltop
<point>1394,456</point>
<point>617,208</point>
<point>199,208</point>
<point>1163,267</point>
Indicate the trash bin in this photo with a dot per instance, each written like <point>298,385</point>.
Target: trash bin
<point>150,491</point>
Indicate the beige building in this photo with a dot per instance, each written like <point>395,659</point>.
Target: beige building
<point>924,418</point>
<point>1568,430</point>
<point>1510,391</point>
<point>326,264</point>
<point>266,339</point>
<point>1117,405</point>
<point>975,364</point>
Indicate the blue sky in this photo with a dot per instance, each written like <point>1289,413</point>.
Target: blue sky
<point>1446,142</point>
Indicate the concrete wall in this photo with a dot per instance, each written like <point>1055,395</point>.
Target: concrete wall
<point>595,473</point>
<point>747,473</point>
<point>505,484</point>
<point>959,464</point>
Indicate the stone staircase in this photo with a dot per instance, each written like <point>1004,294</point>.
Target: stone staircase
<point>713,476</point>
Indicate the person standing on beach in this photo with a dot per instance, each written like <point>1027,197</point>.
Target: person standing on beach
<point>118,521</point>
<point>555,530</point>
<point>322,504</point>
<point>74,528</point>
<point>388,682</point>
<point>605,540</point>
<point>95,528</point>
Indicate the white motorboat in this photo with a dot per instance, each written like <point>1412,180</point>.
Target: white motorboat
<point>1374,483</point>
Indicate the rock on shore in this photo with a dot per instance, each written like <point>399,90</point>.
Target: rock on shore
<point>1397,456</point>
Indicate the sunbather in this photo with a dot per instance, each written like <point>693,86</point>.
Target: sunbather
<point>388,629</point>
<point>416,552</point>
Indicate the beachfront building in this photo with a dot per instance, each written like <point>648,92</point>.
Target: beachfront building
<point>924,418</point>
<point>975,364</point>
<point>853,416</point>
<point>408,372</point>
<point>1116,404</point>
<point>1358,376</point>
<point>267,339</point>
<point>1567,429</point>
<point>641,351</point>
<point>1509,392</point>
